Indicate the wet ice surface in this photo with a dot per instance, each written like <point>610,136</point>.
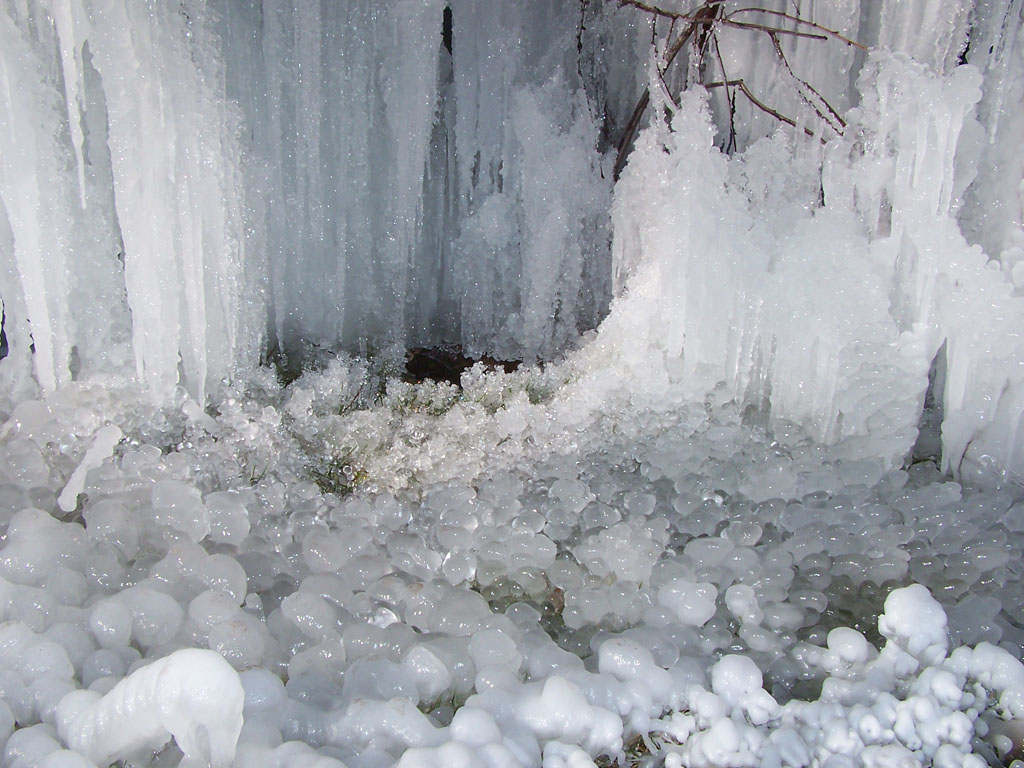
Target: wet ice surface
<point>424,575</point>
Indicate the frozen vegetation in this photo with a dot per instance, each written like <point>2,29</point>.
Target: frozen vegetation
<point>763,506</point>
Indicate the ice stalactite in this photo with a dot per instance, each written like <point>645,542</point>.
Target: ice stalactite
<point>523,128</point>
<point>922,130</point>
<point>178,206</point>
<point>37,210</point>
<point>119,190</point>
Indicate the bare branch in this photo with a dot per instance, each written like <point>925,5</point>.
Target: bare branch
<point>700,33</point>
<point>760,104</point>
<point>772,30</point>
<point>798,20</point>
<point>817,110</point>
<point>706,14</point>
<point>730,98</point>
<point>654,10</point>
<point>666,14</point>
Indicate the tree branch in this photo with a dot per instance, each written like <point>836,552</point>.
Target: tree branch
<point>772,30</point>
<point>799,20</point>
<point>705,15</point>
<point>821,115</point>
<point>760,104</point>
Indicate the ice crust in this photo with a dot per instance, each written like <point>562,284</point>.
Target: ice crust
<point>553,597</point>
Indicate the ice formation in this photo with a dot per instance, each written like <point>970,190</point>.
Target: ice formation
<point>716,533</point>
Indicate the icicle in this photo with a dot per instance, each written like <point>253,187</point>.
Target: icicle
<point>30,189</point>
<point>69,16</point>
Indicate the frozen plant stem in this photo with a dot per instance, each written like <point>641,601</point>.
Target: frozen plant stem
<point>706,18</point>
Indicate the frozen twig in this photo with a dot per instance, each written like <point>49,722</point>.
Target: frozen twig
<point>699,32</point>
<point>758,103</point>
<point>703,16</point>
<point>832,114</point>
<point>798,20</point>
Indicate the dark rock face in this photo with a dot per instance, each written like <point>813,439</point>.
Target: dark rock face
<point>447,364</point>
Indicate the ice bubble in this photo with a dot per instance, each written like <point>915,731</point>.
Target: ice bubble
<point>103,663</point>
<point>23,463</point>
<point>626,550</point>
<point>430,673</point>
<point>36,544</point>
<point>314,616</point>
<point>408,552</point>
<point>999,671</point>
<point>742,603</point>
<point>692,602</point>
<point>229,517</point>
<point>737,680</point>
<point>849,648</point>
<point>179,506</point>
<point>915,622</point>
<point>571,493</point>
<point>459,566</point>
<point>109,520</point>
<point>210,608</point>
<point>559,711</point>
<point>598,515</point>
<point>110,622</point>
<point>241,640</point>
<point>708,552</point>
<point>393,725</point>
<point>6,722</point>
<point>156,616</point>
<point>494,647</point>
<point>43,656</point>
<point>222,572</point>
<point>381,679</point>
<point>28,747</point>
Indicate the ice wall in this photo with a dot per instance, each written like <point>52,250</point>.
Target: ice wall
<point>120,189</point>
<point>187,185</point>
<point>825,305</point>
<point>184,187</point>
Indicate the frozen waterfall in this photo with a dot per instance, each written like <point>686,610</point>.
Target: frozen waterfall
<point>759,502</point>
<point>185,188</point>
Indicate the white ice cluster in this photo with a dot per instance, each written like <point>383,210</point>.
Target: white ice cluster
<point>677,582</point>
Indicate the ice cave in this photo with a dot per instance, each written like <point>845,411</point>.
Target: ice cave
<point>728,470</point>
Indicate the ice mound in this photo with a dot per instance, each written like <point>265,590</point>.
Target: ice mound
<point>544,597</point>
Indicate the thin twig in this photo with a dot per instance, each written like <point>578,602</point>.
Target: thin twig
<point>697,18</point>
<point>708,12</point>
<point>704,18</point>
<point>654,10</point>
<point>774,30</point>
<point>666,14</point>
<point>730,99</point>
<point>821,115</point>
<point>760,104</point>
<point>798,20</point>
